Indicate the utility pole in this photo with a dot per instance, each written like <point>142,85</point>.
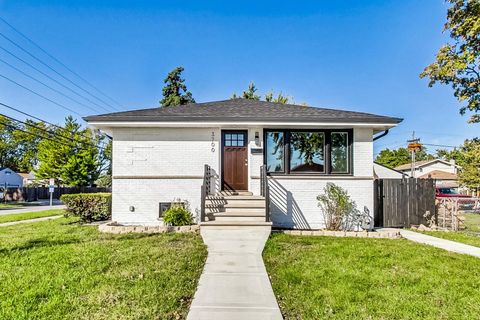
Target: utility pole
<point>414,146</point>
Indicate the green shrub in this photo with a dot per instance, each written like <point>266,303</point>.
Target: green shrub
<point>177,215</point>
<point>337,207</point>
<point>88,206</point>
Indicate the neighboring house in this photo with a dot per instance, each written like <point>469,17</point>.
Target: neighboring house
<point>10,178</point>
<point>159,155</point>
<point>28,178</point>
<point>445,172</point>
<point>382,172</point>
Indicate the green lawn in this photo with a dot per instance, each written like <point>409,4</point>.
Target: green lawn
<point>471,235</point>
<point>58,269</point>
<point>29,215</point>
<point>358,278</point>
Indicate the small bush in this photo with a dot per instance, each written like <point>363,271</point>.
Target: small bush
<point>88,206</point>
<point>177,215</point>
<point>336,206</point>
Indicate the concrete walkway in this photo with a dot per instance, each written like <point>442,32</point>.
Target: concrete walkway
<point>234,283</point>
<point>452,246</point>
<point>6,224</point>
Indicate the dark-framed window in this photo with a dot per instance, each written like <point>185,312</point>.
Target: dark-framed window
<point>308,151</point>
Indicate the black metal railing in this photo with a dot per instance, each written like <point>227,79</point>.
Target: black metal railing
<point>265,191</point>
<point>206,189</point>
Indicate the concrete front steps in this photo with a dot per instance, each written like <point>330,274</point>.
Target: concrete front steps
<point>235,209</point>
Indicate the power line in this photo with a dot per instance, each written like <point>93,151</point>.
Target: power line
<point>53,79</point>
<point>46,85</point>
<point>34,117</point>
<point>439,145</point>
<point>55,71</point>
<point>58,61</point>
<point>54,133</point>
<point>35,135</point>
<point>40,95</point>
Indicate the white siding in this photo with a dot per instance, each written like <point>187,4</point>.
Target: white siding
<point>437,165</point>
<point>386,173</point>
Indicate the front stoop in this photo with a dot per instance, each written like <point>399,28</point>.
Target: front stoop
<point>235,209</point>
<point>234,283</point>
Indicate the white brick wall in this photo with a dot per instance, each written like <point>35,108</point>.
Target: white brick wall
<point>294,202</point>
<point>152,165</point>
<point>159,165</point>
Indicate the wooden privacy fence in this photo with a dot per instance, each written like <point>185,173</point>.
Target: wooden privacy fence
<point>403,202</point>
<point>36,193</point>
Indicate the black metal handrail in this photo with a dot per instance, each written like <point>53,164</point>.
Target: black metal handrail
<point>265,191</point>
<point>206,189</point>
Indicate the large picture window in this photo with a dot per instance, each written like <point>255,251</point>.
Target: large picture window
<point>308,151</point>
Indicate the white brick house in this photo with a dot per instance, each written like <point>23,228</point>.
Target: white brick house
<point>160,154</point>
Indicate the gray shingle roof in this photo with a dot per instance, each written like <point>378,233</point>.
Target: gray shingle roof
<point>242,110</point>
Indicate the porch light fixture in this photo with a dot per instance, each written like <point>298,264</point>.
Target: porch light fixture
<point>257,138</point>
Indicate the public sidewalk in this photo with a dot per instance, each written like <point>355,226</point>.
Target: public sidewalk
<point>42,206</point>
<point>6,224</point>
<point>449,245</point>
<point>234,283</point>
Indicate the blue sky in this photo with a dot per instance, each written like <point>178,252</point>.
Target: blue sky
<point>354,55</point>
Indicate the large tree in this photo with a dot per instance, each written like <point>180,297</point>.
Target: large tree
<point>458,62</point>
<point>175,91</point>
<point>397,157</point>
<point>8,154</point>
<point>18,143</point>
<point>70,155</point>
<point>27,140</point>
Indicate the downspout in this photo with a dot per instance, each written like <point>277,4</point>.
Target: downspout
<point>381,135</point>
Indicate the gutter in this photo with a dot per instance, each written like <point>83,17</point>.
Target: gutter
<point>381,135</point>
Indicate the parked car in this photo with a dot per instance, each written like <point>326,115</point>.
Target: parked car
<point>465,202</point>
<point>449,193</point>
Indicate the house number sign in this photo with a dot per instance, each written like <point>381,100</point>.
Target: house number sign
<point>213,141</point>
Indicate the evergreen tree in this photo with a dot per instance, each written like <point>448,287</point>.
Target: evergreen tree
<point>280,98</point>
<point>175,91</point>
<point>251,94</point>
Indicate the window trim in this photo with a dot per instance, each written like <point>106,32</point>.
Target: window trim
<point>327,155</point>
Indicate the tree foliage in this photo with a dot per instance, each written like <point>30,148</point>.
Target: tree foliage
<point>251,93</point>
<point>468,157</point>
<point>19,143</point>
<point>73,162</point>
<point>458,63</point>
<point>175,91</point>
<point>394,158</point>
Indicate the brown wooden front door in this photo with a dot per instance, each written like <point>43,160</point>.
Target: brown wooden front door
<point>235,162</point>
